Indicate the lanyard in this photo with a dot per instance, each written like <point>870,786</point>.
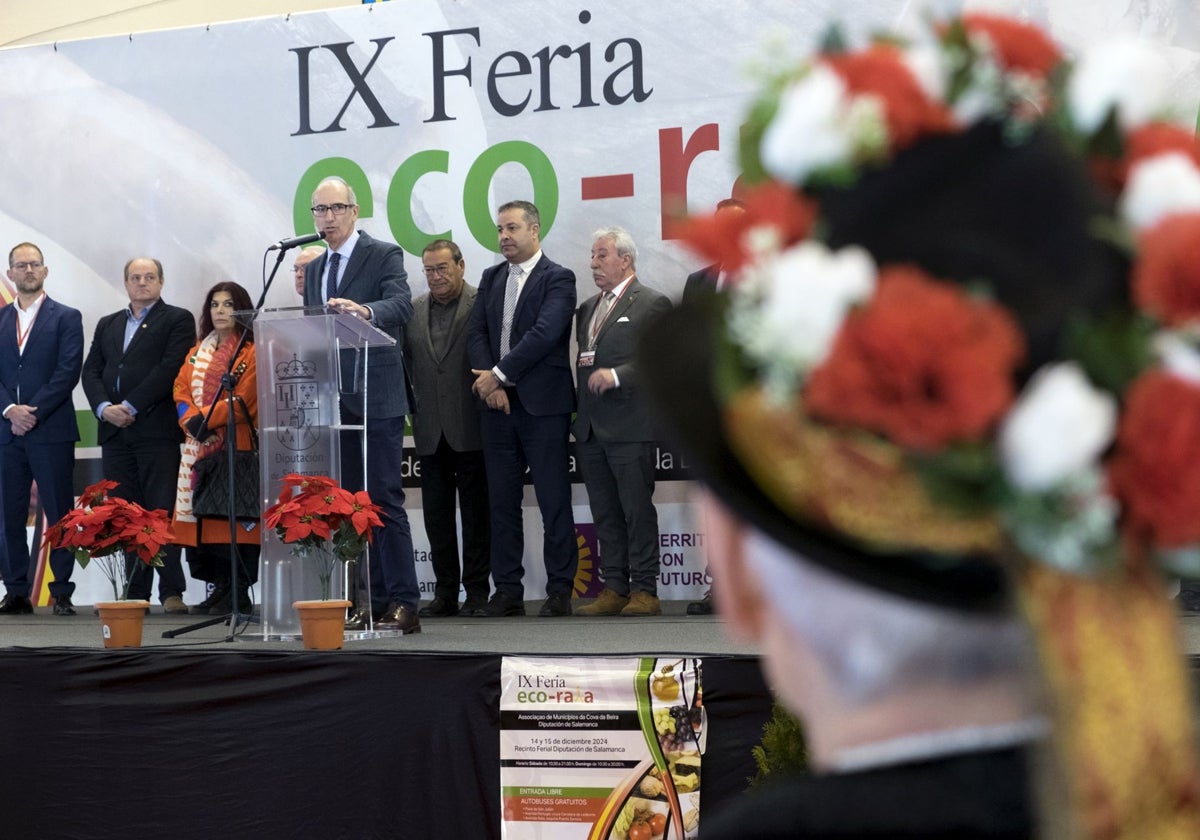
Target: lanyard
<point>597,323</point>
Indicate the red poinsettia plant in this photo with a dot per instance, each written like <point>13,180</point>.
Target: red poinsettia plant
<point>317,517</point>
<point>113,531</point>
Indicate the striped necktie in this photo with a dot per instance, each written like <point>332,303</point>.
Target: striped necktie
<point>510,308</point>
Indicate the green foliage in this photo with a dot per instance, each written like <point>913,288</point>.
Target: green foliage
<point>966,477</point>
<point>1114,350</point>
<point>783,750</point>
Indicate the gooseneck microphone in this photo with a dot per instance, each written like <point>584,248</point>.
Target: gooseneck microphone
<point>295,241</point>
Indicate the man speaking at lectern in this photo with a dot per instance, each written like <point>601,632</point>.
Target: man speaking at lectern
<point>365,277</point>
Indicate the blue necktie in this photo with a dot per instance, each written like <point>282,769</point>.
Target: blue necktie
<point>331,283</point>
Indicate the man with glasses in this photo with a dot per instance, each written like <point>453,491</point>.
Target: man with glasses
<point>128,378</point>
<point>303,258</point>
<point>365,277</point>
<point>446,432</point>
<point>41,353</point>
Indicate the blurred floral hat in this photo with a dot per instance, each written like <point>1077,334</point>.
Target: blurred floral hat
<point>960,361</point>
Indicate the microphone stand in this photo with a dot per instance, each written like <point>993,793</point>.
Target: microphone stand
<point>229,382</point>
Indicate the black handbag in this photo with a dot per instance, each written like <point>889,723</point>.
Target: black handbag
<point>210,494</point>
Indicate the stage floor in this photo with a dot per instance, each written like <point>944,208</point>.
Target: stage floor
<point>674,632</point>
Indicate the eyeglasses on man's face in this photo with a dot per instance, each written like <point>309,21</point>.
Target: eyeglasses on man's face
<point>441,269</point>
<point>336,209</point>
<point>34,265</point>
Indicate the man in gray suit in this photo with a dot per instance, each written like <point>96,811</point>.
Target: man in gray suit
<point>613,435</point>
<point>446,432</point>
<point>366,277</point>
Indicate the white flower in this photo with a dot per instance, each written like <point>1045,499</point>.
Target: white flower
<point>788,310</point>
<point>1179,356</point>
<point>1125,73</point>
<point>927,62</point>
<point>1159,186</point>
<point>1059,427</point>
<point>818,125</point>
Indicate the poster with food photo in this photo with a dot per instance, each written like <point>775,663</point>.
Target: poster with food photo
<point>601,749</point>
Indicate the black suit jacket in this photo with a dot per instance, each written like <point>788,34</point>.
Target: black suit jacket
<point>142,374</point>
<point>374,277</point>
<point>973,795</point>
<point>619,414</point>
<point>539,360</point>
<point>700,283</point>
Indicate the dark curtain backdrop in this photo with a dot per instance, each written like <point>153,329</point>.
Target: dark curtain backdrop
<point>336,746</point>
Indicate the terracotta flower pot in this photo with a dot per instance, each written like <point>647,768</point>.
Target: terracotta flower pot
<point>322,623</point>
<point>121,622</point>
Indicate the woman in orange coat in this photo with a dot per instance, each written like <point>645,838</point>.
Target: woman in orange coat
<point>197,387</point>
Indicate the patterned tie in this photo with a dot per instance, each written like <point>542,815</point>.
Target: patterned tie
<point>510,308</point>
<point>602,306</point>
<point>331,284</point>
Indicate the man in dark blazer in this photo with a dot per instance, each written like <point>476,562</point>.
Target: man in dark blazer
<point>614,438</point>
<point>710,278</point>
<point>128,377</point>
<point>446,432</point>
<point>41,352</point>
<point>366,277</point>
<point>707,281</point>
<point>519,346</point>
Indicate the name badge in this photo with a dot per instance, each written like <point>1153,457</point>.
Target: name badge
<point>587,358</point>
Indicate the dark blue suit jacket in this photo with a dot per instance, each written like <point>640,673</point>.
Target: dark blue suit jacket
<point>45,374</point>
<point>144,374</point>
<point>539,361</point>
<point>374,277</point>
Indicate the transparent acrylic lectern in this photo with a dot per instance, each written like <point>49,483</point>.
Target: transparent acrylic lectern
<point>308,358</point>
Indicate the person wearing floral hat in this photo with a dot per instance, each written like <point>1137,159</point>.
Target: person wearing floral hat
<point>944,417</point>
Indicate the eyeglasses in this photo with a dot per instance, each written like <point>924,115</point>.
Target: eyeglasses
<point>22,266</point>
<point>338,209</point>
<point>432,271</point>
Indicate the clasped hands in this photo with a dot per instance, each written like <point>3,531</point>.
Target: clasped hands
<point>489,389</point>
<point>118,415</point>
<point>22,418</point>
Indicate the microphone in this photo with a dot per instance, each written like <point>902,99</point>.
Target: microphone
<point>286,244</point>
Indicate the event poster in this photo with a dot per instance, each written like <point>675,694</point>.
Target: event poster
<point>601,749</point>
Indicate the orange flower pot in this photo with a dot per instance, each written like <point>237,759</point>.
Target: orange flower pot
<point>121,622</point>
<point>322,623</point>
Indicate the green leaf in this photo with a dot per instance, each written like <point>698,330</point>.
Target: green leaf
<point>964,477</point>
<point>1114,349</point>
<point>783,750</point>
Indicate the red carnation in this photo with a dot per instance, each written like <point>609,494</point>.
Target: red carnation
<point>909,113</point>
<point>721,237</point>
<point>1166,277</point>
<point>1152,471</point>
<point>923,364</point>
<point>1146,141</point>
<point>1019,46</point>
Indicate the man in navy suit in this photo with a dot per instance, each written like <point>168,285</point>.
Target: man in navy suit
<point>41,353</point>
<point>366,277</point>
<point>128,377</point>
<point>519,348</point>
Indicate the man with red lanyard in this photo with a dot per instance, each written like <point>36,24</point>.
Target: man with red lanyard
<point>41,354</point>
<point>614,438</point>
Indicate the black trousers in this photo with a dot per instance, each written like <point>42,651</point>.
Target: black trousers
<point>445,475</point>
<point>147,472</point>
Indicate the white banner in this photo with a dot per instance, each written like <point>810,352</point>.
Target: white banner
<point>201,146</point>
